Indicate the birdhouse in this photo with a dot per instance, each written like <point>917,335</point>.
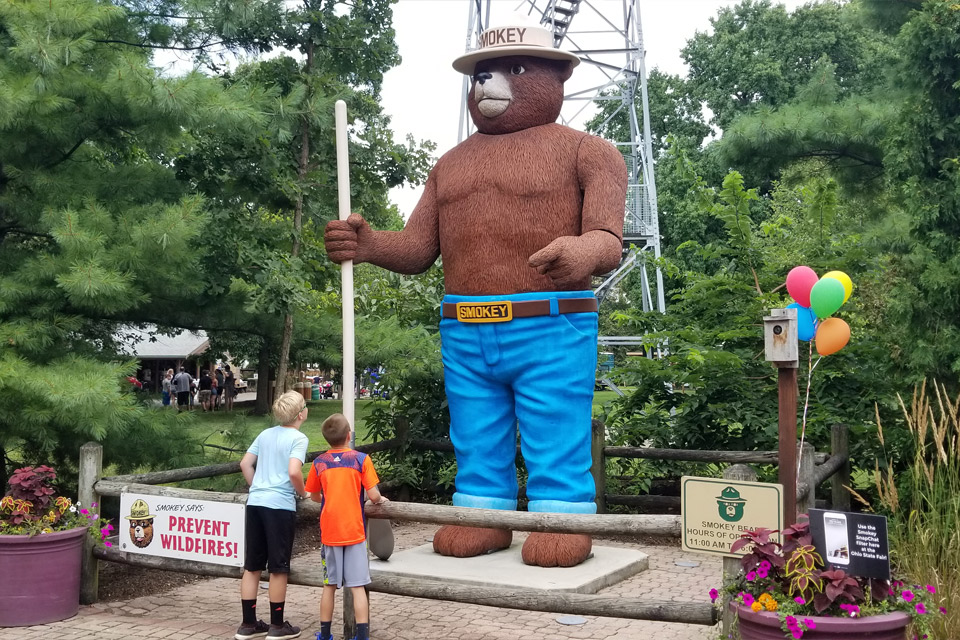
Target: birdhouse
<point>780,338</point>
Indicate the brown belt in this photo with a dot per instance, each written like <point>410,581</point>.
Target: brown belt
<point>519,309</point>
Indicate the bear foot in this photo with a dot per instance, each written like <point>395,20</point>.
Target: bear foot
<point>467,542</point>
<point>556,549</point>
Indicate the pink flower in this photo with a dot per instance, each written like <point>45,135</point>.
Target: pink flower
<point>747,598</point>
<point>796,633</point>
<point>714,594</point>
<point>791,621</point>
<point>799,600</point>
<point>907,595</point>
<point>920,608</point>
<point>810,624</point>
<point>931,588</point>
<point>107,543</point>
<point>943,610</point>
<point>84,511</point>
<point>762,573</point>
<point>93,505</point>
<point>764,565</point>
<point>751,576</point>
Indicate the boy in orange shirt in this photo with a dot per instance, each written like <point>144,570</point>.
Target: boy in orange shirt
<point>337,480</point>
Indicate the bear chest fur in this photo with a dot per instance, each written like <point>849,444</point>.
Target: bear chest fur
<point>502,198</point>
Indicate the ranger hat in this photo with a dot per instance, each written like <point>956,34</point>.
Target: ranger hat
<point>525,40</point>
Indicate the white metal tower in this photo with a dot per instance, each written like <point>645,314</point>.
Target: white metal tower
<point>609,42</point>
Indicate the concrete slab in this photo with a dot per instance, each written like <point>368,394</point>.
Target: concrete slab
<point>607,566</point>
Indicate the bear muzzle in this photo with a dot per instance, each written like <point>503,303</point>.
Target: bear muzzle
<point>492,94</point>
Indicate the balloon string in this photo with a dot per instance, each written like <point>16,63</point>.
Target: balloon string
<point>806,404</point>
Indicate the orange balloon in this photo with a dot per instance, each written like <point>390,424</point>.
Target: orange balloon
<point>833,334</point>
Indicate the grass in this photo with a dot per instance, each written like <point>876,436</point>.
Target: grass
<point>924,521</point>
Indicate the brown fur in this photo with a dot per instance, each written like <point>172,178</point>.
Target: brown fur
<point>467,542</point>
<point>556,549</point>
<point>523,205</point>
<point>141,532</point>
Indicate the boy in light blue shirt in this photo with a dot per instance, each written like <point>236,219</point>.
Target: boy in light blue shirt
<point>272,467</point>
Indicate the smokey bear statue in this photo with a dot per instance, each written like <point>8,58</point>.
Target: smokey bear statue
<point>523,213</point>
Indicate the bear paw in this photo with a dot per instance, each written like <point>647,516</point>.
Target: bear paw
<point>556,549</point>
<point>466,542</point>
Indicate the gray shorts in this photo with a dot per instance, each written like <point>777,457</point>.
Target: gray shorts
<point>346,566</point>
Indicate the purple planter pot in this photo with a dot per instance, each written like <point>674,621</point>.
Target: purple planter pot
<point>41,577</point>
<point>764,625</point>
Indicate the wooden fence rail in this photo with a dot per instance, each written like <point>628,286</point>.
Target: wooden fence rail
<point>815,468</point>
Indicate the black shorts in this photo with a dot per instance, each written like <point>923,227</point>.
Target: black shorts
<point>183,398</point>
<point>269,539</point>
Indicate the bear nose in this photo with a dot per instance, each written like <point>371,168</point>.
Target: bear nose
<point>483,76</point>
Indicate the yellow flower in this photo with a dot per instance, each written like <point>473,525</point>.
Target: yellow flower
<point>63,503</point>
<point>764,597</point>
<point>756,606</point>
<point>47,530</point>
<point>771,605</point>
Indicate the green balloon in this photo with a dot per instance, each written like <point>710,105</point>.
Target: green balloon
<point>826,297</point>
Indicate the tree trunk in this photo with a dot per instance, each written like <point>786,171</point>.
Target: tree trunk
<point>262,406</point>
<point>302,168</point>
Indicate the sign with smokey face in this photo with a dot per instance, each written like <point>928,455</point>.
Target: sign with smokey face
<point>199,530</point>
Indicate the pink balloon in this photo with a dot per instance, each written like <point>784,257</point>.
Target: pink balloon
<point>800,281</point>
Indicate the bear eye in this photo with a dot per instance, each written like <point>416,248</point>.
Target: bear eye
<point>517,69</point>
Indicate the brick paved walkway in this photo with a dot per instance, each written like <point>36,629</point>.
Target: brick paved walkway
<point>210,609</point>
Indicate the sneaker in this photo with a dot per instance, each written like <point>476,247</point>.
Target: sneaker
<point>256,629</point>
<point>284,631</point>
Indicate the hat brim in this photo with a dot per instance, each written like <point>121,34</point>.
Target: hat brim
<point>466,63</point>
<point>146,517</point>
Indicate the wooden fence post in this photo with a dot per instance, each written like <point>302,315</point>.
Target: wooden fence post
<point>91,469</point>
<point>599,468</point>
<point>731,566</point>
<point>807,476</point>
<point>349,617</point>
<point>840,446</point>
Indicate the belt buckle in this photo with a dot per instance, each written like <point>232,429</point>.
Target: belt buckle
<point>496,311</point>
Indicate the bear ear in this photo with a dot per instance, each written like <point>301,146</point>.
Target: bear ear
<point>565,71</point>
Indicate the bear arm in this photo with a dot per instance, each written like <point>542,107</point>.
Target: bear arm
<point>417,247</point>
<point>603,179</point>
<point>607,249</point>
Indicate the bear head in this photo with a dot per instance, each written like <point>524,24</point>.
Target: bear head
<point>516,92</point>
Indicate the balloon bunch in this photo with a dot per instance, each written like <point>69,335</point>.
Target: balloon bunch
<point>816,300</point>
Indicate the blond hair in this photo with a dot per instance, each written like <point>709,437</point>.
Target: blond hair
<point>287,407</point>
<point>336,430</point>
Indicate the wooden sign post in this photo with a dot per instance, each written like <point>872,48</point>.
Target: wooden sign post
<point>782,349</point>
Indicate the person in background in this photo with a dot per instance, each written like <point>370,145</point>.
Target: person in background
<point>272,466</point>
<point>147,380</point>
<point>214,393</point>
<point>167,388</point>
<point>337,480</point>
<point>183,384</point>
<point>220,385</point>
<point>206,384</point>
<point>230,385</point>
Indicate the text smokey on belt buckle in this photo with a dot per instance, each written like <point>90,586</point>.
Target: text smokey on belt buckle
<point>500,311</point>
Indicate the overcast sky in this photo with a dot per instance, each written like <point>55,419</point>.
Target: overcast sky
<point>423,94</point>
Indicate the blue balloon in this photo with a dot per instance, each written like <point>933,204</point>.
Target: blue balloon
<point>806,321</point>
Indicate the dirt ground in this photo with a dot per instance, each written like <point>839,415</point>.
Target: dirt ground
<point>123,582</point>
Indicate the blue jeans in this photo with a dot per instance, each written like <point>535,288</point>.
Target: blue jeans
<point>538,372</point>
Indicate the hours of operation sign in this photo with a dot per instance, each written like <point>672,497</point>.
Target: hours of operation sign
<point>714,512</point>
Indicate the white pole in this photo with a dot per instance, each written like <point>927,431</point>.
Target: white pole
<point>347,394</point>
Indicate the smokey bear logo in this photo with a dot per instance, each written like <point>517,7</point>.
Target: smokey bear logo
<point>141,524</point>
